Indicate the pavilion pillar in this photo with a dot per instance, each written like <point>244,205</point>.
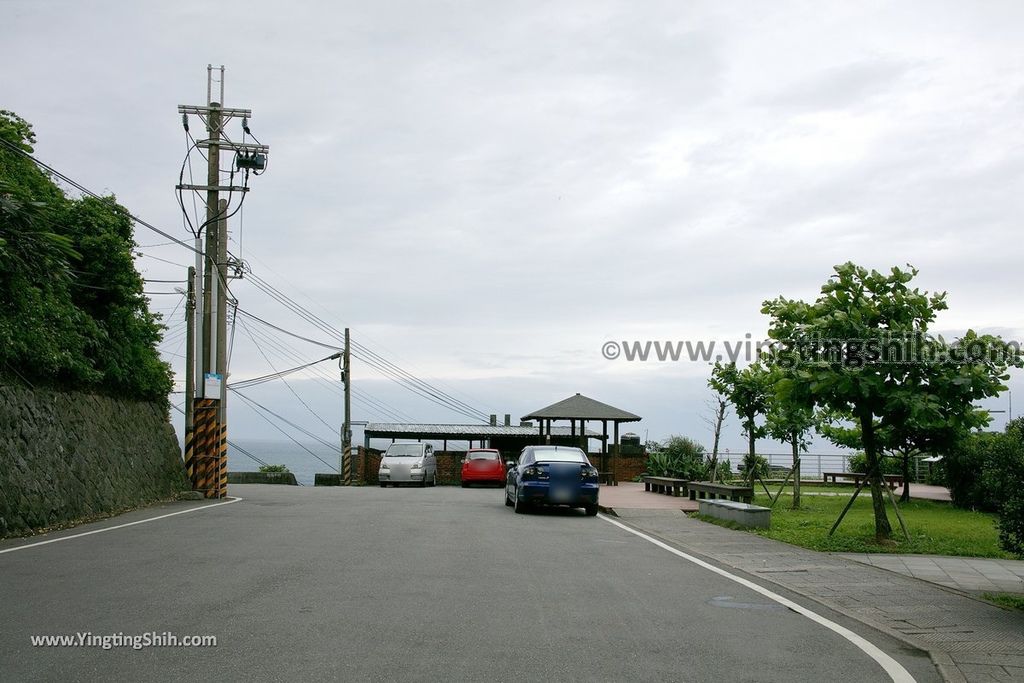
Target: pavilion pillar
<point>615,453</point>
<point>604,445</point>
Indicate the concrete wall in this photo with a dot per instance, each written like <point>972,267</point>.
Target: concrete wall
<point>67,456</point>
<point>284,478</point>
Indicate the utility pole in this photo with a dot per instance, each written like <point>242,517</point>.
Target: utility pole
<point>190,370</point>
<point>346,429</point>
<point>209,415</point>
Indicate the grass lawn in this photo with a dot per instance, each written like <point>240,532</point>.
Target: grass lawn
<point>935,528</point>
<point>1011,600</point>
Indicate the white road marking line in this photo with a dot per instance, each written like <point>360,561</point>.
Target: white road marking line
<point>119,526</point>
<point>895,670</point>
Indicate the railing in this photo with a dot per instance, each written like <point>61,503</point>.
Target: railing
<point>811,464</point>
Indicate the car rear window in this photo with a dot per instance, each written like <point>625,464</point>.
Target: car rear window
<point>404,449</point>
<point>483,455</point>
<point>552,455</point>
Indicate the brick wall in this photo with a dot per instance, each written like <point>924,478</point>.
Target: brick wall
<point>449,465</point>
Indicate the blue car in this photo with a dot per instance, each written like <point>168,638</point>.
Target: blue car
<point>552,475</point>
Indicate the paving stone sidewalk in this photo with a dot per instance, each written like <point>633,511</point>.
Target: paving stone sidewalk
<point>968,639</point>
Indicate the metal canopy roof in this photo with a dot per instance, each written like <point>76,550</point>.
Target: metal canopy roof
<point>580,407</point>
<point>393,430</point>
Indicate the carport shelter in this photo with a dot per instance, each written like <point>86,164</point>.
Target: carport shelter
<point>580,409</point>
<point>506,438</point>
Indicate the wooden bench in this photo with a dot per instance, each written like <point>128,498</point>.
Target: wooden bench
<point>893,480</point>
<point>666,485</point>
<point>743,514</point>
<point>607,478</point>
<point>708,489</point>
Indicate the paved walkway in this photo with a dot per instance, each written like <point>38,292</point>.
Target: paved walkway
<point>928,602</point>
<point>968,574</point>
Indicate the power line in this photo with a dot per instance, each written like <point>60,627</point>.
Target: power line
<point>373,359</point>
<point>372,404</point>
<point>363,398</point>
<point>285,382</point>
<point>81,188</point>
<point>235,446</point>
<point>290,334</point>
<point>253,403</point>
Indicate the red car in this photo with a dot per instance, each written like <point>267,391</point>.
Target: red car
<point>484,466</point>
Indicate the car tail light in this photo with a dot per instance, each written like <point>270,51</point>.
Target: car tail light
<point>534,472</point>
<point>588,472</point>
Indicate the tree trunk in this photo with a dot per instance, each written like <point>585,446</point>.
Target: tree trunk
<point>905,496</point>
<point>719,419</point>
<point>883,531</point>
<point>750,451</point>
<point>796,472</point>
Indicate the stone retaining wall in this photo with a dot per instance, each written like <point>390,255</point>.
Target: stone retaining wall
<point>66,456</point>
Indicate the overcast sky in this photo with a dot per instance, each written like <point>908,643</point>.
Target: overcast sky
<point>487,192</point>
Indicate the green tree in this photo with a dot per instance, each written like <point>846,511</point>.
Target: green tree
<point>72,309</point>
<point>789,422</point>
<point>748,391</point>
<point>862,349</point>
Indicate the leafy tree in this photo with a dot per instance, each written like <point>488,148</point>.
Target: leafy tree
<point>791,423</point>
<point>748,391</point>
<point>862,349</point>
<point>72,309</point>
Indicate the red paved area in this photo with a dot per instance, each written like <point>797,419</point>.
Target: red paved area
<point>632,495</point>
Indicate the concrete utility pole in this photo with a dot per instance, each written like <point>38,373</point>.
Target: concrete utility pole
<point>346,429</point>
<point>190,354</point>
<point>206,451</point>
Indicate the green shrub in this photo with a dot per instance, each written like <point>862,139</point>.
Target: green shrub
<point>1003,479</point>
<point>890,465</point>
<point>937,474</point>
<point>760,465</point>
<point>724,470</point>
<point>273,468</point>
<point>964,465</point>
<point>679,457</point>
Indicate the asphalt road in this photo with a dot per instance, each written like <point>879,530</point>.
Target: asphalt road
<point>402,584</point>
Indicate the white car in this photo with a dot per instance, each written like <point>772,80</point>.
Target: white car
<point>408,463</point>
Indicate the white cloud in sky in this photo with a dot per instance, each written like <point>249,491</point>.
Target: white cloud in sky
<point>489,191</point>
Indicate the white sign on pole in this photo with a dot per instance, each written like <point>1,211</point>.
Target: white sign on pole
<point>211,385</point>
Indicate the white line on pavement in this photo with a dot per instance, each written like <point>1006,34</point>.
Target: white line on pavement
<point>896,672</point>
<point>119,526</point>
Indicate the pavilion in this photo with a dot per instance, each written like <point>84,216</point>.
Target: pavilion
<point>580,409</point>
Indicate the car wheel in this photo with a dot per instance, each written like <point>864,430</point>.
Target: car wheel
<point>465,484</point>
<point>591,510</point>
<point>508,501</point>
<point>520,505</point>
<point>433,482</point>
<point>383,485</point>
